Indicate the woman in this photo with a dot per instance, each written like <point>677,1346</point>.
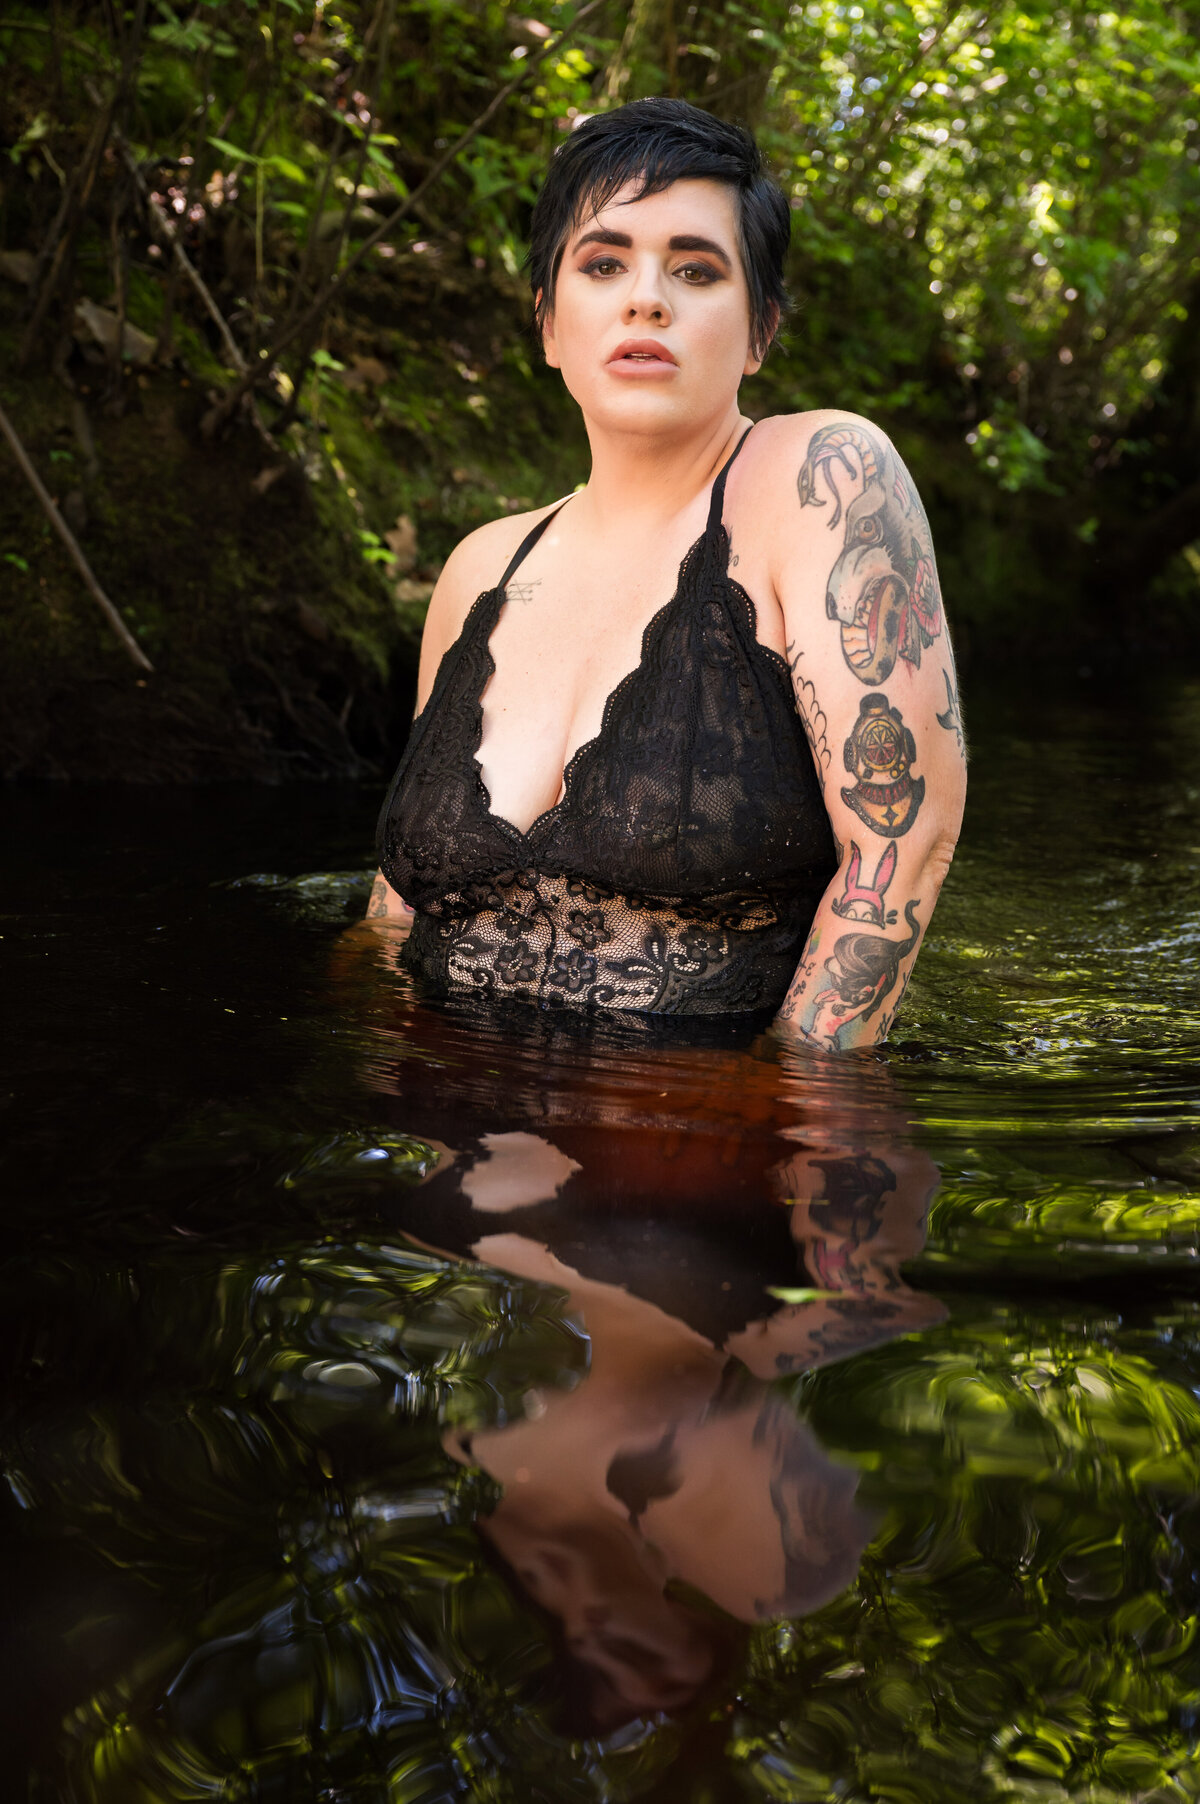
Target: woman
<point>671,729</point>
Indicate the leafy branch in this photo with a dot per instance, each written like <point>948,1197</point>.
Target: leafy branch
<point>219,415</point>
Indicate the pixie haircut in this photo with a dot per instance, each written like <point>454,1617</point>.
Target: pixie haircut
<point>655,143</point>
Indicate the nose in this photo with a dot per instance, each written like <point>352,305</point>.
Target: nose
<point>647,298</point>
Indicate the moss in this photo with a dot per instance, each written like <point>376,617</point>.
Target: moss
<point>271,639</point>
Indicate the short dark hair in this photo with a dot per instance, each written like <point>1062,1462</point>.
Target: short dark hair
<point>655,143</point>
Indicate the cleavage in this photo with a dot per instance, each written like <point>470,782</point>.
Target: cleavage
<point>555,668</point>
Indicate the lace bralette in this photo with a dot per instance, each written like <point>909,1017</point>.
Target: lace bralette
<point>684,861</point>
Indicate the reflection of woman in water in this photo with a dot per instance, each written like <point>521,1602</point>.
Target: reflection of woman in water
<point>669,1471</point>
<point>623,790</point>
<point>674,1497</point>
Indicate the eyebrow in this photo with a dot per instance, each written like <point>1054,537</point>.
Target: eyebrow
<point>683,241</point>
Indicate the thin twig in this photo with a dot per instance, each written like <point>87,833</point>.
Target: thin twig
<point>165,226</point>
<point>383,21</point>
<point>65,37</point>
<point>162,222</point>
<point>72,544</point>
<point>378,38</point>
<point>78,193</point>
<point>224,409</point>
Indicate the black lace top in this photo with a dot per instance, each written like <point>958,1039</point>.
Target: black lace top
<point>682,866</point>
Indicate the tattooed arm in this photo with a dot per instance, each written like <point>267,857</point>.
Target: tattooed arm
<point>385,904</point>
<point>873,672</point>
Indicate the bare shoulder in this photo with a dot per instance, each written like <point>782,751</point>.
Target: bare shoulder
<point>477,563</point>
<point>474,566</point>
<point>827,476</point>
<point>783,445</point>
<point>852,543</point>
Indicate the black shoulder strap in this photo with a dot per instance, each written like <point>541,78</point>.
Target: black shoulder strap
<point>716,507</point>
<point>527,544</point>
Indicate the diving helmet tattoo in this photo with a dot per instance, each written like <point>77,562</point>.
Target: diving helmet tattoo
<point>880,752</point>
<point>883,587</point>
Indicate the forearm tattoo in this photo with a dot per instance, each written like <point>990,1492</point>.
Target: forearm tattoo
<point>377,905</point>
<point>378,908</point>
<point>859,974</point>
<point>862,898</point>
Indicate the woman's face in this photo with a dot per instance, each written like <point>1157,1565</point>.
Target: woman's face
<point>651,318</point>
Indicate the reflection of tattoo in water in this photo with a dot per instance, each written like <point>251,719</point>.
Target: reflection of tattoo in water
<point>862,1321</point>
<point>822,1530</point>
<point>636,1479</point>
<point>883,587</point>
<point>851,1204</point>
<point>847,1216</point>
<point>812,715</point>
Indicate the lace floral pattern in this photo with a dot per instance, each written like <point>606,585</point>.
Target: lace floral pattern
<point>528,938</point>
<point>684,862</point>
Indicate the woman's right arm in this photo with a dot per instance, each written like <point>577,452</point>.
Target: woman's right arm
<point>385,904</point>
<point>464,575</point>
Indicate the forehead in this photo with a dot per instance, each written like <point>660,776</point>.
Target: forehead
<point>699,207</point>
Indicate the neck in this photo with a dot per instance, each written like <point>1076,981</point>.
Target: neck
<point>646,479</point>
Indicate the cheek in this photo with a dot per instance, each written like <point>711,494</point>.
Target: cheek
<point>574,333</point>
<point>721,336</point>
<point>579,313</point>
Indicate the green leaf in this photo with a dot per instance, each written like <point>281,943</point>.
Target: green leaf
<point>231,150</point>
<point>284,165</point>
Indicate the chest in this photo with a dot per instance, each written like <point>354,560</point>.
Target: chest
<point>568,636</point>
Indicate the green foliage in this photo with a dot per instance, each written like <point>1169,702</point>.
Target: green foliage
<point>1034,173</point>
<point>1007,446</point>
<point>995,244</point>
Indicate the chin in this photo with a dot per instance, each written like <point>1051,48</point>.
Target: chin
<point>638,407</point>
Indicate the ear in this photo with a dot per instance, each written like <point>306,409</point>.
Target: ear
<point>753,364</point>
<point>549,344</point>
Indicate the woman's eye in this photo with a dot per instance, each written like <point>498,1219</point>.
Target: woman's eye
<point>696,274</point>
<point>601,266</point>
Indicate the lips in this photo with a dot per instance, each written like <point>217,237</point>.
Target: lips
<point>642,351</point>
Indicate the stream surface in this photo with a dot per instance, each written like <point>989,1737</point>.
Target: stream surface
<point>405,1402</point>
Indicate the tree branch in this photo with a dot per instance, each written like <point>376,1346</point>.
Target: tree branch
<point>162,222</point>
<point>165,226</point>
<point>219,415</point>
<point>72,544</point>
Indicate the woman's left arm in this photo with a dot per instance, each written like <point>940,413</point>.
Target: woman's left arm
<point>874,680</point>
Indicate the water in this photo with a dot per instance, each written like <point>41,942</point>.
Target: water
<point>403,1403</point>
